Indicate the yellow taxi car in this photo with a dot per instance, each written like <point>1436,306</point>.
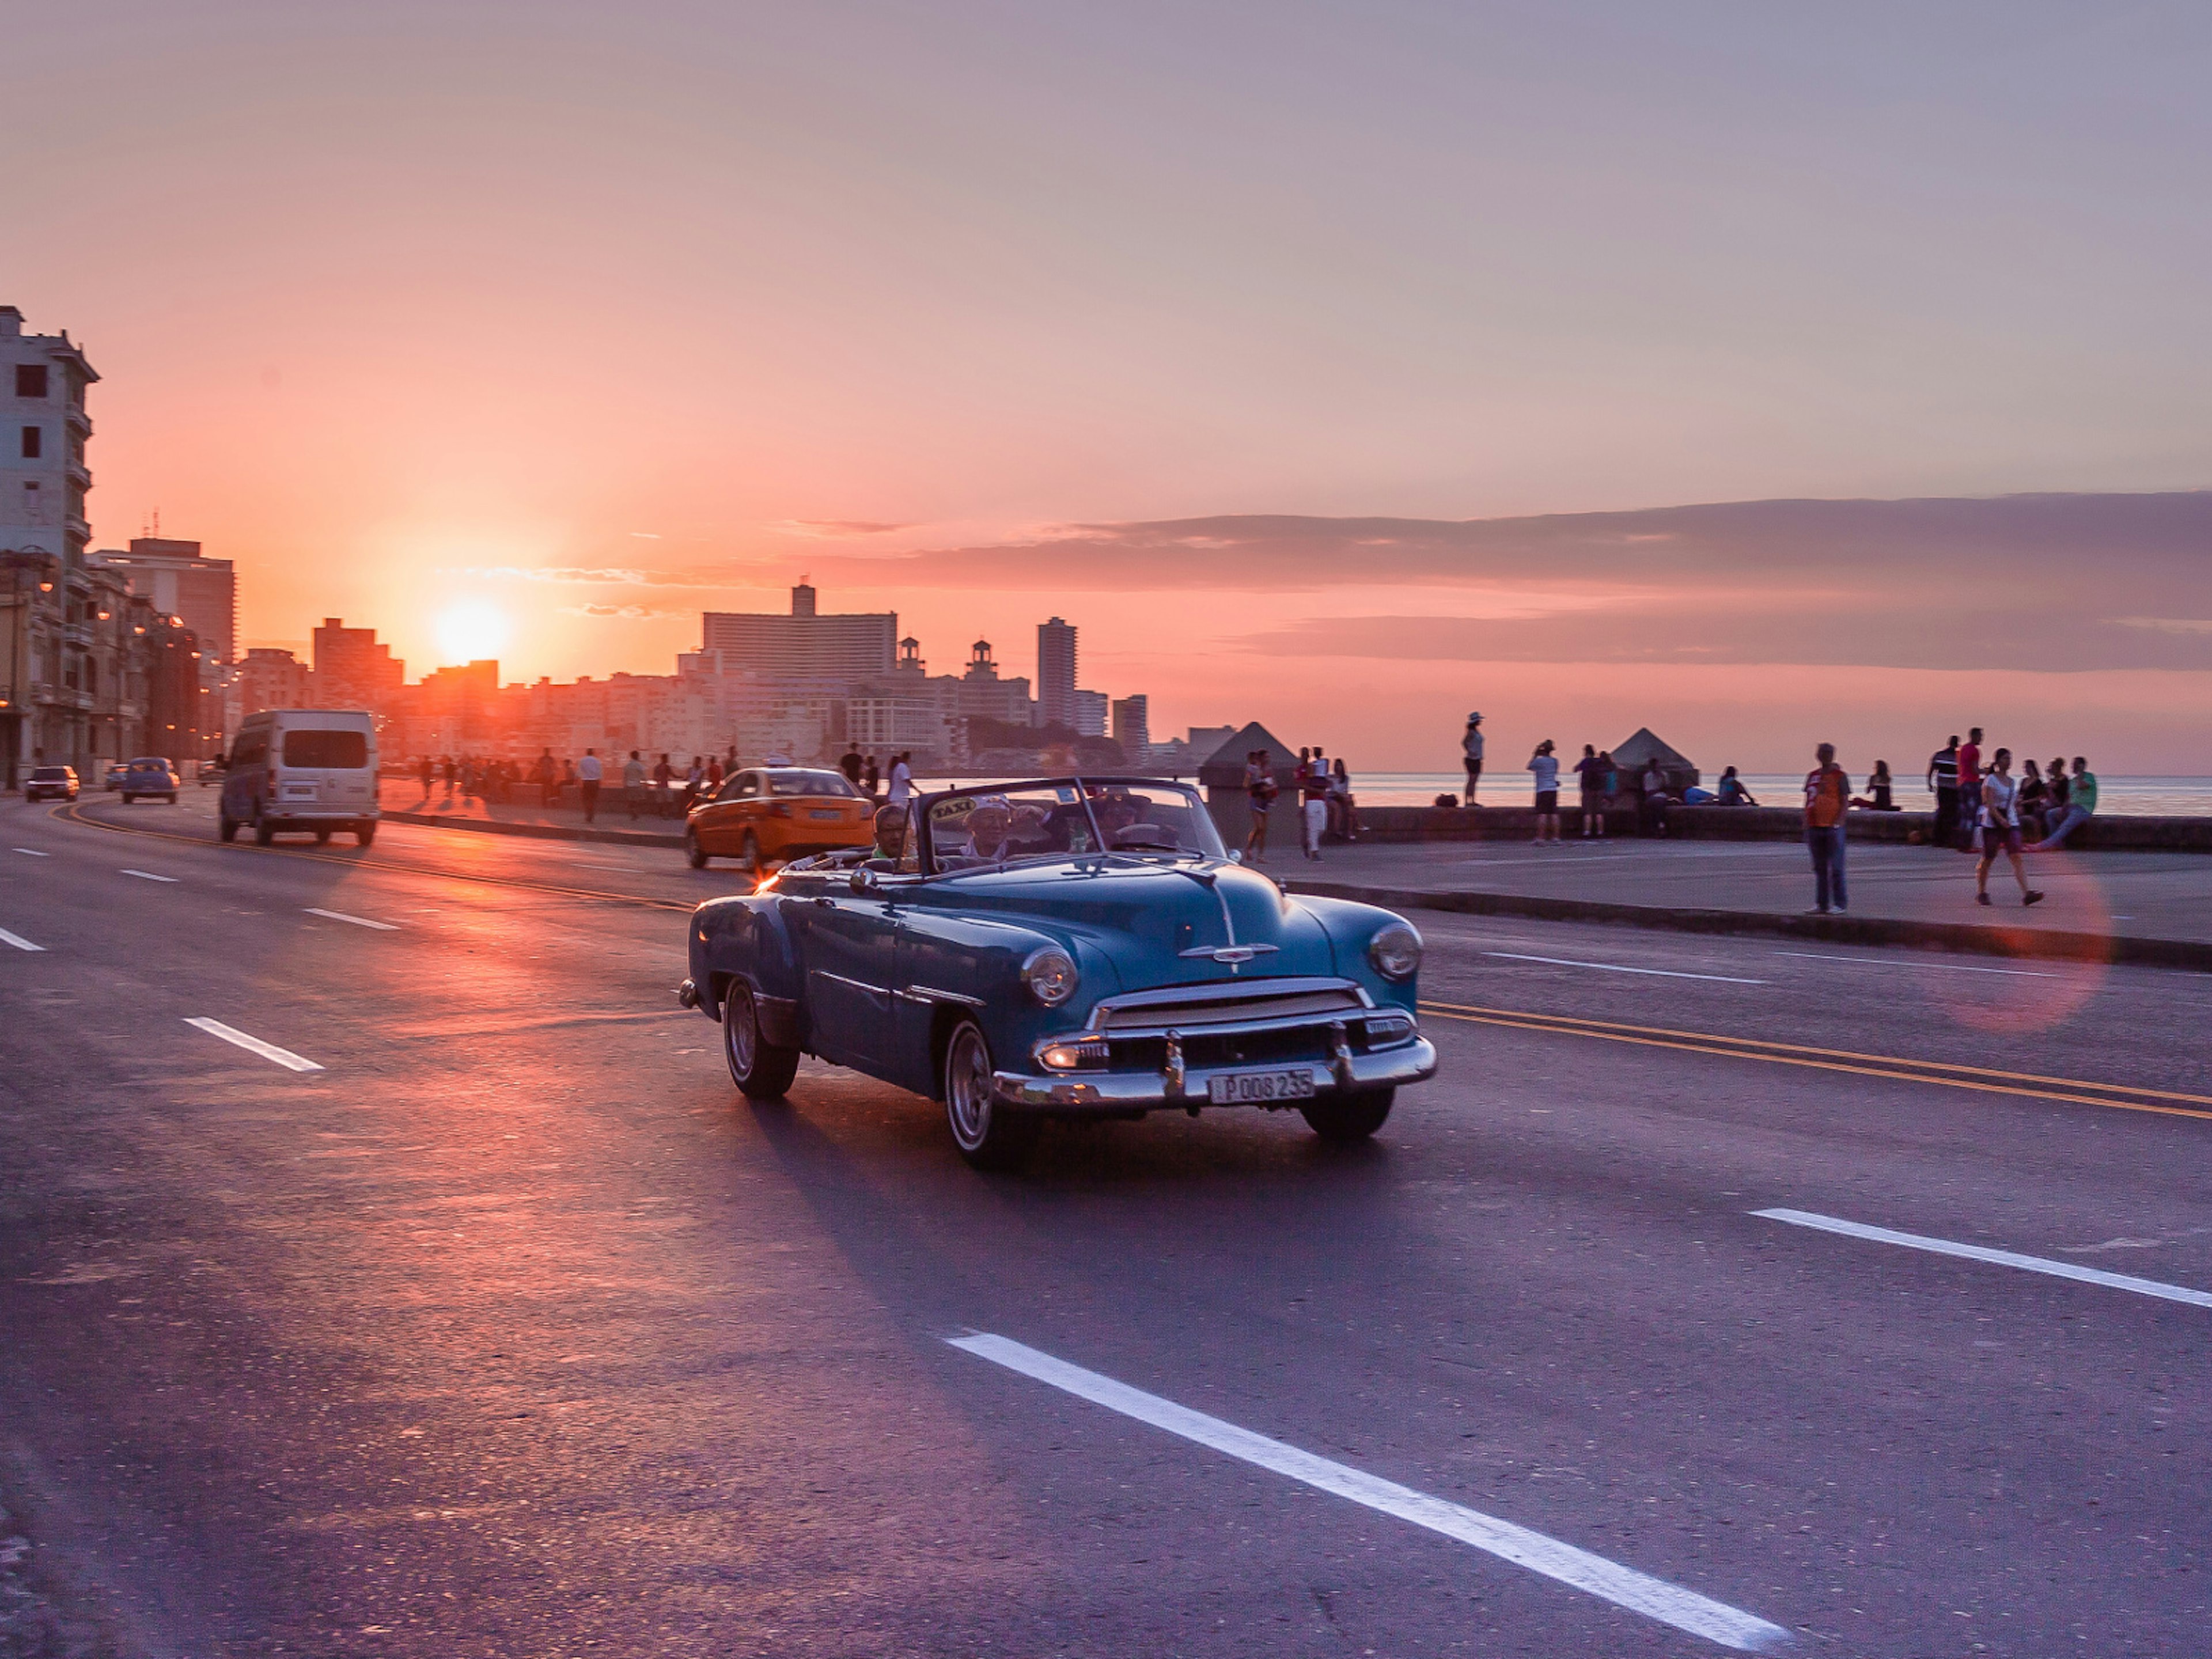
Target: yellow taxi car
<point>773,814</point>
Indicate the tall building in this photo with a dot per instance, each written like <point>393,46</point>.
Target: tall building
<point>804,645</point>
<point>178,579</point>
<point>269,678</point>
<point>352,671</point>
<point>1056,673</point>
<point>48,611</point>
<point>1133,727</point>
<point>984,695</point>
<point>1090,708</point>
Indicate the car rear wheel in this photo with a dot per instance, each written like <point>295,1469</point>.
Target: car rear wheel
<point>227,826</point>
<point>322,838</point>
<point>693,853</point>
<point>988,1136</point>
<point>264,831</point>
<point>364,833</point>
<point>1349,1117</point>
<point>171,798</point>
<point>761,1070</point>
<point>128,798</point>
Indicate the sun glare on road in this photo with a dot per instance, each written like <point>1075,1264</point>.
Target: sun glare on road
<point>471,630</point>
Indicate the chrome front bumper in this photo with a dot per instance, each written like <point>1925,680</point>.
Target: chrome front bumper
<point>1116,1091</point>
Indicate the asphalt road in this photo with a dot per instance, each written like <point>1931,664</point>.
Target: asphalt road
<point>513,1330</point>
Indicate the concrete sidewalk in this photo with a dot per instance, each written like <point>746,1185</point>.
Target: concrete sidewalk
<point>402,800</point>
<point>2154,907</point>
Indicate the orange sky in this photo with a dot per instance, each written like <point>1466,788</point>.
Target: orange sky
<point>386,296</point>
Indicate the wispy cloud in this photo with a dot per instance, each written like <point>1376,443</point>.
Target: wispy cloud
<point>628,612</point>
<point>835,528</point>
<point>2167,625</point>
<point>599,576</point>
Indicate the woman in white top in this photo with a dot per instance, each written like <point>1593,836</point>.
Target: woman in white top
<point>2001,828</point>
<point>1545,763</point>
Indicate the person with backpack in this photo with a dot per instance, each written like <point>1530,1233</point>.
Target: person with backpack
<point>1828,797</point>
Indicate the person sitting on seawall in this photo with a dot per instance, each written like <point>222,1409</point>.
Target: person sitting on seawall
<point>1880,788</point>
<point>2080,805</point>
<point>1732,792</point>
<point>1652,802</point>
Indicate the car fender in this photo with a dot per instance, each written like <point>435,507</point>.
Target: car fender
<point>1350,927</point>
<point>957,963</point>
<point>742,937</point>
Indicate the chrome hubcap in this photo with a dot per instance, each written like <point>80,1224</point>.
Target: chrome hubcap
<point>968,1088</point>
<point>739,1031</point>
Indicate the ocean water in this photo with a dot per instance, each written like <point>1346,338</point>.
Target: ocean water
<point>2138,796</point>
<point>2141,797</point>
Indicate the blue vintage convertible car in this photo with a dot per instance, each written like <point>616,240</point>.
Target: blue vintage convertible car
<point>1064,947</point>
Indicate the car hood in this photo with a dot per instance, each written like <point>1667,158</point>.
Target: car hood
<point>1145,918</point>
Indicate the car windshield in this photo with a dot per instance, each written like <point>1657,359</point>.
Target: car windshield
<point>808,783</point>
<point>992,825</point>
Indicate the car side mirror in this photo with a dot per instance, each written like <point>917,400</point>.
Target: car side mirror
<point>864,881</point>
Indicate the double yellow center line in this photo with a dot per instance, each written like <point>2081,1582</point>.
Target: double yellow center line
<point>2072,1091</point>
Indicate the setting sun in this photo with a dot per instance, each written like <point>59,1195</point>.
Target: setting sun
<point>470,631</point>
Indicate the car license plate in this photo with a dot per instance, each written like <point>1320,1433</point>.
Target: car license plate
<point>1249,1087</point>
<point>299,792</point>
<point>832,815</point>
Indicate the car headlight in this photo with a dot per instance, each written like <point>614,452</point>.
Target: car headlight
<point>1395,951</point>
<point>1050,975</point>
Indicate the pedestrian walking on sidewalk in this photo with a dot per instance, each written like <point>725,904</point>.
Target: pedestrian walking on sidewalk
<point>1970,790</point>
<point>2000,817</point>
<point>1828,797</point>
<point>1545,764</point>
<point>1943,779</point>
<point>588,779</point>
<point>428,771</point>
<point>568,781</point>
<point>1260,792</point>
<point>1470,748</point>
<point>1313,803</point>
<point>871,775</point>
<point>634,784</point>
<point>2081,807</point>
<point>901,778</point>
<point>541,771</point>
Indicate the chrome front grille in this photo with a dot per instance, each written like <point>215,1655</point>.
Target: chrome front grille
<point>1194,1008</point>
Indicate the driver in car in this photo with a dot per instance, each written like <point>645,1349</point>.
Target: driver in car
<point>891,838</point>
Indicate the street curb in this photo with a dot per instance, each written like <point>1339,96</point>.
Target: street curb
<point>2041,943</point>
<point>534,831</point>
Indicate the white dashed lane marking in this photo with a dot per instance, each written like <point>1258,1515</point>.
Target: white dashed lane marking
<point>2033,1264</point>
<point>32,853</point>
<point>1616,967</point>
<point>18,941</point>
<point>1906,962</point>
<point>1564,1563</point>
<point>148,875</point>
<point>254,1045</point>
<point>358,921</point>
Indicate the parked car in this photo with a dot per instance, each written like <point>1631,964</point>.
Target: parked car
<point>51,783</point>
<point>770,814</point>
<point>150,775</point>
<point>1065,947</point>
<point>116,771</point>
<point>303,768</point>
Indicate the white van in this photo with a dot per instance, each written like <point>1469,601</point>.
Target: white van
<point>303,768</point>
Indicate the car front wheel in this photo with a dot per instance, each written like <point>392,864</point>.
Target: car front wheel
<point>988,1136</point>
<point>761,1070</point>
<point>1349,1117</point>
<point>693,852</point>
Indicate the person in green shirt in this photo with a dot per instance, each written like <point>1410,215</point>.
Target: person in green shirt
<point>2081,803</point>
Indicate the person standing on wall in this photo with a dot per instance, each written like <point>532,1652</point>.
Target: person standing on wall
<point>1470,748</point>
<point>1828,797</point>
<point>588,779</point>
<point>1545,764</point>
<point>1591,771</point>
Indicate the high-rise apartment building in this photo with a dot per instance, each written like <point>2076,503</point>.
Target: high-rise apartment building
<point>802,646</point>
<point>1090,714</point>
<point>352,671</point>
<point>178,579</point>
<point>1056,673</point>
<point>269,678</point>
<point>1133,727</point>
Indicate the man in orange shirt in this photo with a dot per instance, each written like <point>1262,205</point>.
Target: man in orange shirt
<point>1827,796</point>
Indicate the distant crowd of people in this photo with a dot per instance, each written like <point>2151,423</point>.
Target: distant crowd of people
<point>1326,809</point>
<point>660,789</point>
